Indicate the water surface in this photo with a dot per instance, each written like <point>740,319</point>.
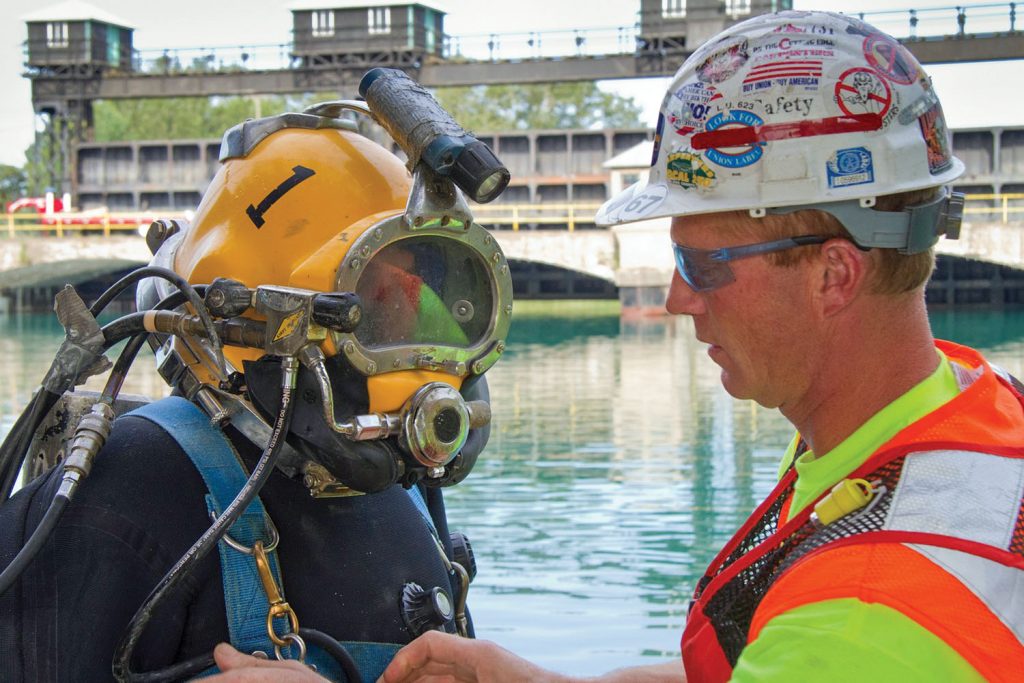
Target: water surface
<point>617,466</point>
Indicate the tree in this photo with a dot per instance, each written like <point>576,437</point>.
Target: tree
<point>179,118</point>
<point>45,161</point>
<point>478,108</point>
<point>548,105</point>
<point>12,184</point>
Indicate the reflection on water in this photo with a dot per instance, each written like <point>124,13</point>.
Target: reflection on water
<point>27,345</point>
<point>617,467</point>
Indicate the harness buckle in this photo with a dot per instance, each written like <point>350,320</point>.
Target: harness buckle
<point>272,533</point>
<point>278,606</point>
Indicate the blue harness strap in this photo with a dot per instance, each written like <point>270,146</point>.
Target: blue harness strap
<point>245,601</point>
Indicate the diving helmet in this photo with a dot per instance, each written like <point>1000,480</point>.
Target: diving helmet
<point>315,242</point>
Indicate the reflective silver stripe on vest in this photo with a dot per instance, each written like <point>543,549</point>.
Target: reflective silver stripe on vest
<point>1001,588</point>
<point>964,494</point>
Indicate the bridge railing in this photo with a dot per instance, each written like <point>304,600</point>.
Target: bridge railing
<point>994,208</point>
<point>537,216</point>
<point>917,24</point>
<point>987,208</point>
<point>65,223</point>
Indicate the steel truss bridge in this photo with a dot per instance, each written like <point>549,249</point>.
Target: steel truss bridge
<point>969,33</point>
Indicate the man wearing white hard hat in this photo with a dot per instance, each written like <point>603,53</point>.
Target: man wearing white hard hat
<point>803,158</point>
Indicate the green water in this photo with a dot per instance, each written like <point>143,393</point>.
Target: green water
<point>617,466</point>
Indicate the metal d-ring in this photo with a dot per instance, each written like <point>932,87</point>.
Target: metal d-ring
<point>295,640</point>
<point>271,531</point>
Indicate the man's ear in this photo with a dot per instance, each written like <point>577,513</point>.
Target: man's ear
<point>844,273</point>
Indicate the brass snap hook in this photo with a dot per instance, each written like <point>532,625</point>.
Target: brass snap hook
<point>278,606</point>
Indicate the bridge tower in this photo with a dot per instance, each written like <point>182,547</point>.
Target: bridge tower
<point>362,34</point>
<point>70,47</point>
<point>672,29</point>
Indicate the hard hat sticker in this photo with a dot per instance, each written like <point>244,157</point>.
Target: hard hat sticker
<point>750,135</point>
<point>890,59</point>
<point>723,64</point>
<point>643,204</point>
<point>851,166</point>
<point>694,105</point>
<point>659,131</point>
<point>255,213</point>
<point>741,155</point>
<point>788,73</point>
<point>688,171</point>
<point>861,90</point>
<point>819,29</point>
<point>936,138</point>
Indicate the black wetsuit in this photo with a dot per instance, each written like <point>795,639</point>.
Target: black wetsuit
<point>344,562</point>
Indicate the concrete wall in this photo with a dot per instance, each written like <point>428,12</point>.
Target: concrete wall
<point>592,252</point>
<point>53,261</point>
<point>1001,243</point>
<point>637,258</point>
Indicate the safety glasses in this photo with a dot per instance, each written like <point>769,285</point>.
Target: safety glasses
<point>707,269</point>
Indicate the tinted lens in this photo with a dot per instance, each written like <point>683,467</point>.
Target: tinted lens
<point>699,270</point>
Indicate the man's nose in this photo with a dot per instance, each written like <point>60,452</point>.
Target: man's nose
<point>682,300</point>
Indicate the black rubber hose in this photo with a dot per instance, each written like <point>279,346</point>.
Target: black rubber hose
<point>178,281</point>
<point>18,439</point>
<point>176,299</point>
<point>131,278</point>
<point>201,548</point>
<point>122,328</point>
<point>12,452</point>
<point>336,650</point>
<point>60,501</point>
<point>124,363</point>
<point>35,543</point>
<point>181,671</point>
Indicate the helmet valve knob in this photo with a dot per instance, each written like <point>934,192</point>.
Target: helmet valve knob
<point>424,610</point>
<point>339,311</point>
<point>226,298</point>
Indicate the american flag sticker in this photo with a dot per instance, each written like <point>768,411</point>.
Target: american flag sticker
<point>788,73</point>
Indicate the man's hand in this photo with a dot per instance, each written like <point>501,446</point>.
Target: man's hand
<point>436,654</point>
<point>236,667</point>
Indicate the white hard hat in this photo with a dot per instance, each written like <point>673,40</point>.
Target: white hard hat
<point>799,110</point>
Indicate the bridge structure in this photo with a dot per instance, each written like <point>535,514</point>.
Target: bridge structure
<point>331,49</point>
<point>985,266</point>
<point>658,42</point>
<point>74,61</point>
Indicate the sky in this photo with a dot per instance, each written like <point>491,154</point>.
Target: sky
<point>972,94</point>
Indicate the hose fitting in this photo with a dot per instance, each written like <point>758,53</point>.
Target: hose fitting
<point>91,434</point>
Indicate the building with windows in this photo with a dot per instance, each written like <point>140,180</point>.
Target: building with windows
<point>74,38</point>
<point>547,166</point>
<point>382,32</point>
<point>681,26</point>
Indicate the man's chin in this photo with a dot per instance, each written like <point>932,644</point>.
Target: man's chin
<point>743,392</point>
<point>732,386</point>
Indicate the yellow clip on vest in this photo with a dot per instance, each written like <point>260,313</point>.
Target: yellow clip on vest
<point>847,496</point>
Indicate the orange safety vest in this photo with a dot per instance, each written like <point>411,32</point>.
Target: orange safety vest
<point>942,542</point>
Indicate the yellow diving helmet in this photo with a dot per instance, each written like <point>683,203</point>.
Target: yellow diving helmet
<point>315,242</point>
